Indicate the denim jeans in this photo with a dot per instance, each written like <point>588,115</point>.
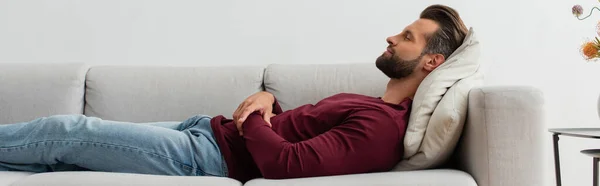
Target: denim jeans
<point>80,143</point>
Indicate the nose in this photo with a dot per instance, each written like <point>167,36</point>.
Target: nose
<point>390,40</point>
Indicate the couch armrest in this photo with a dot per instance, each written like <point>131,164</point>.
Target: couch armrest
<point>502,142</point>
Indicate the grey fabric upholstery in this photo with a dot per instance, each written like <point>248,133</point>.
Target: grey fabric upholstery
<point>9,177</point>
<point>29,91</point>
<point>117,179</point>
<point>502,138</point>
<point>440,177</point>
<point>295,85</point>
<point>145,94</point>
<point>502,142</point>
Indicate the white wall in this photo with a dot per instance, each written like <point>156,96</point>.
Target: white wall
<point>525,42</point>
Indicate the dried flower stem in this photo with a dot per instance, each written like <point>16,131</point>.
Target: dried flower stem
<point>592,10</point>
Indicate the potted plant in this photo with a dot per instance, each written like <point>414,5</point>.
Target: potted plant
<point>589,49</point>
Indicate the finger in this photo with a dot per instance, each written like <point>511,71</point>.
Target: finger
<point>238,112</point>
<point>246,112</point>
<point>242,117</point>
<point>239,127</point>
<point>267,118</point>
<point>269,110</point>
<point>241,108</point>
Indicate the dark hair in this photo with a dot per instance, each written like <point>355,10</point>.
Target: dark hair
<point>451,33</point>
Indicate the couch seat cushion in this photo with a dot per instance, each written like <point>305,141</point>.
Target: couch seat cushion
<point>439,177</point>
<point>9,177</point>
<point>91,178</point>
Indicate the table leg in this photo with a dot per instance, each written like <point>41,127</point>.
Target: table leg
<point>556,160</point>
<point>595,176</point>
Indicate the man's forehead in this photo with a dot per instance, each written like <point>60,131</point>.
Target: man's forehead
<point>422,27</point>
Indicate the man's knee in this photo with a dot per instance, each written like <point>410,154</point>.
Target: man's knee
<point>64,119</point>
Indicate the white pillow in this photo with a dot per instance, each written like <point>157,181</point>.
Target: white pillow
<point>445,127</point>
<point>463,63</point>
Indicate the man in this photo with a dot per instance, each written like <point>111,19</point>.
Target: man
<point>341,134</point>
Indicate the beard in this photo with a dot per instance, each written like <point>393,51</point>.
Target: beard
<point>396,68</point>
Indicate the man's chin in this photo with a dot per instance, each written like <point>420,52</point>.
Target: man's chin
<point>382,58</point>
<point>382,66</point>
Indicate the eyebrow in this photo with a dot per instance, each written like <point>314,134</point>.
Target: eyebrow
<point>408,32</point>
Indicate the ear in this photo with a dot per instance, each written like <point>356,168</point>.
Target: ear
<point>434,61</point>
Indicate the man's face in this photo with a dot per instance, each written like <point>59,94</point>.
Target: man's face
<point>404,53</point>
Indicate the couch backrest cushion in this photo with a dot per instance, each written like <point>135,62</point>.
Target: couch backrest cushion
<point>445,127</point>
<point>298,84</point>
<point>148,93</point>
<point>29,91</point>
<point>463,63</point>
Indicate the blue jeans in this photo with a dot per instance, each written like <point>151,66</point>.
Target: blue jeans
<point>80,143</point>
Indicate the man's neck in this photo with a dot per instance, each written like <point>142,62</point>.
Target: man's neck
<point>399,89</point>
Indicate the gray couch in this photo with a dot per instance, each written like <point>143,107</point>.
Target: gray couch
<point>501,143</point>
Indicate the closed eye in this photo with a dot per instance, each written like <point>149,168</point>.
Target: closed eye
<point>408,36</point>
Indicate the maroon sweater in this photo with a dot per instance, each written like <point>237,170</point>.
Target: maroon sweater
<point>341,134</point>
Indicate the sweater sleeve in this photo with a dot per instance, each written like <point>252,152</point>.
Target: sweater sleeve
<point>367,141</point>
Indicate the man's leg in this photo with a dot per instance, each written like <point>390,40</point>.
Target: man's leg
<point>77,142</point>
<point>174,125</point>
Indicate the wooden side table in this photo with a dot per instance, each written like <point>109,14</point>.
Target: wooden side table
<point>593,133</point>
